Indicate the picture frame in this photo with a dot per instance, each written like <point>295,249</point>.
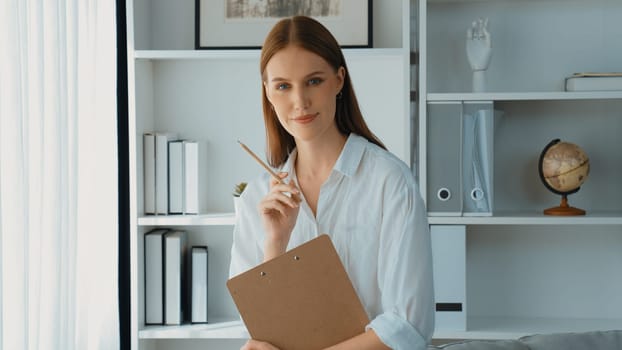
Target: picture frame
<point>244,24</point>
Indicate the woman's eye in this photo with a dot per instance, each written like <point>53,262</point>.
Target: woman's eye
<point>282,86</point>
<point>315,81</point>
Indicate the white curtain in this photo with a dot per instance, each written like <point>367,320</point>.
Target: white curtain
<point>58,175</point>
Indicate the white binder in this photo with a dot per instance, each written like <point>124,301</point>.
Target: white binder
<point>460,158</point>
<point>444,161</point>
<point>477,158</point>
<point>449,268</point>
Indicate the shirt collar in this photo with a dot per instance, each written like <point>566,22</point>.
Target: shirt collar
<point>351,155</point>
<point>289,163</point>
<point>348,160</point>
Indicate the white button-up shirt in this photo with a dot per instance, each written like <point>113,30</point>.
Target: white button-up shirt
<point>371,208</point>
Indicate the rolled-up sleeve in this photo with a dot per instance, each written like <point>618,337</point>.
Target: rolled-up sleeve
<point>395,332</point>
<point>405,270</point>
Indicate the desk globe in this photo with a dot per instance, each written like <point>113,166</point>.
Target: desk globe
<point>563,168</point>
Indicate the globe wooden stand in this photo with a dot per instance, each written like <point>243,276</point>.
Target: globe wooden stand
<point>564,209</point>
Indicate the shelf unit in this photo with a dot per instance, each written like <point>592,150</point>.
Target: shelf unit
<point>525,272</point>
<point>213,96</point>
<point>509,255</point>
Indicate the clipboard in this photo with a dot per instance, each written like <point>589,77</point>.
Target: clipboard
<point>301,300</point>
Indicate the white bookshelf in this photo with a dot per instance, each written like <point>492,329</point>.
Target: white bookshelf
<point>198,94</point>
<point>213,96</point>
<point>525,272</point>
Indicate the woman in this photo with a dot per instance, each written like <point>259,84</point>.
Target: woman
<point>337,179</point>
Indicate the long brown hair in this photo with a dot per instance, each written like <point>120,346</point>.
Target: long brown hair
<point>312,36</point>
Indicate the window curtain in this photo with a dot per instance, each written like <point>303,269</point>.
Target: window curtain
<point>58,175</point>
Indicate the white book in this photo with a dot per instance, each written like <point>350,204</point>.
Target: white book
<point>198,289</point>
<point>594,83</point>
<point>175,177</point>
<point>191,177</point>
<point>161,176</point>
<point>149,172</point>
<point>174,279</point>
<point>154,286</point>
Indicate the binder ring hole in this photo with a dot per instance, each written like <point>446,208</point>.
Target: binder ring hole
<point>296,257</point>
<point>262,273</point>
<point>477,194</point>
<point>443,194</point>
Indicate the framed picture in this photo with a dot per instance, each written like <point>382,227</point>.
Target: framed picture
<point>244,24</point>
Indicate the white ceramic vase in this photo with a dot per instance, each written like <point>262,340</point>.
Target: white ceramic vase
<point>236,205</point>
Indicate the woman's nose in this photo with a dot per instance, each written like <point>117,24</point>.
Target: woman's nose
<point>301,99</point>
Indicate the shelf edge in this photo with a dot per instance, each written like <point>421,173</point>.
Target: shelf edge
<point>216,330</point>
<point>214,219</point>
<point>528,219</point>
<point>250,54</point>
<point>525,96</point>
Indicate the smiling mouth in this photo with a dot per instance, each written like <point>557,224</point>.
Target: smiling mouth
<point>304,119</point>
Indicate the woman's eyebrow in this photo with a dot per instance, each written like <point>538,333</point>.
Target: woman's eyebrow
<point>318,72</point>
<point>278,79</point>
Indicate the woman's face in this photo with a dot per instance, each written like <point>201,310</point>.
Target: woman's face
<point>302,87</point>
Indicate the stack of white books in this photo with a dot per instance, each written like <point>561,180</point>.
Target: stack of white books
<point>594,82</point>
<point>175,279</point>
<point>171,174</point>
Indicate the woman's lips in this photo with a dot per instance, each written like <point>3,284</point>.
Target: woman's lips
<point>305,119</point>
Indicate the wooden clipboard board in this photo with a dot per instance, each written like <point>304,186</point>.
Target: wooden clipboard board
<point>300,300</point>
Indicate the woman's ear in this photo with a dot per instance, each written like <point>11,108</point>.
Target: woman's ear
<point>341,77</point>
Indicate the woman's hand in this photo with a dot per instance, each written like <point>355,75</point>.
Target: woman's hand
<point>279,210</point>
<point>258,345</point>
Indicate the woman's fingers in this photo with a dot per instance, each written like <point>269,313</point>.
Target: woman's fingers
<point>270,205</point>
<point>283,192</point>
<point>284,198</point>
<point>285,188</point>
